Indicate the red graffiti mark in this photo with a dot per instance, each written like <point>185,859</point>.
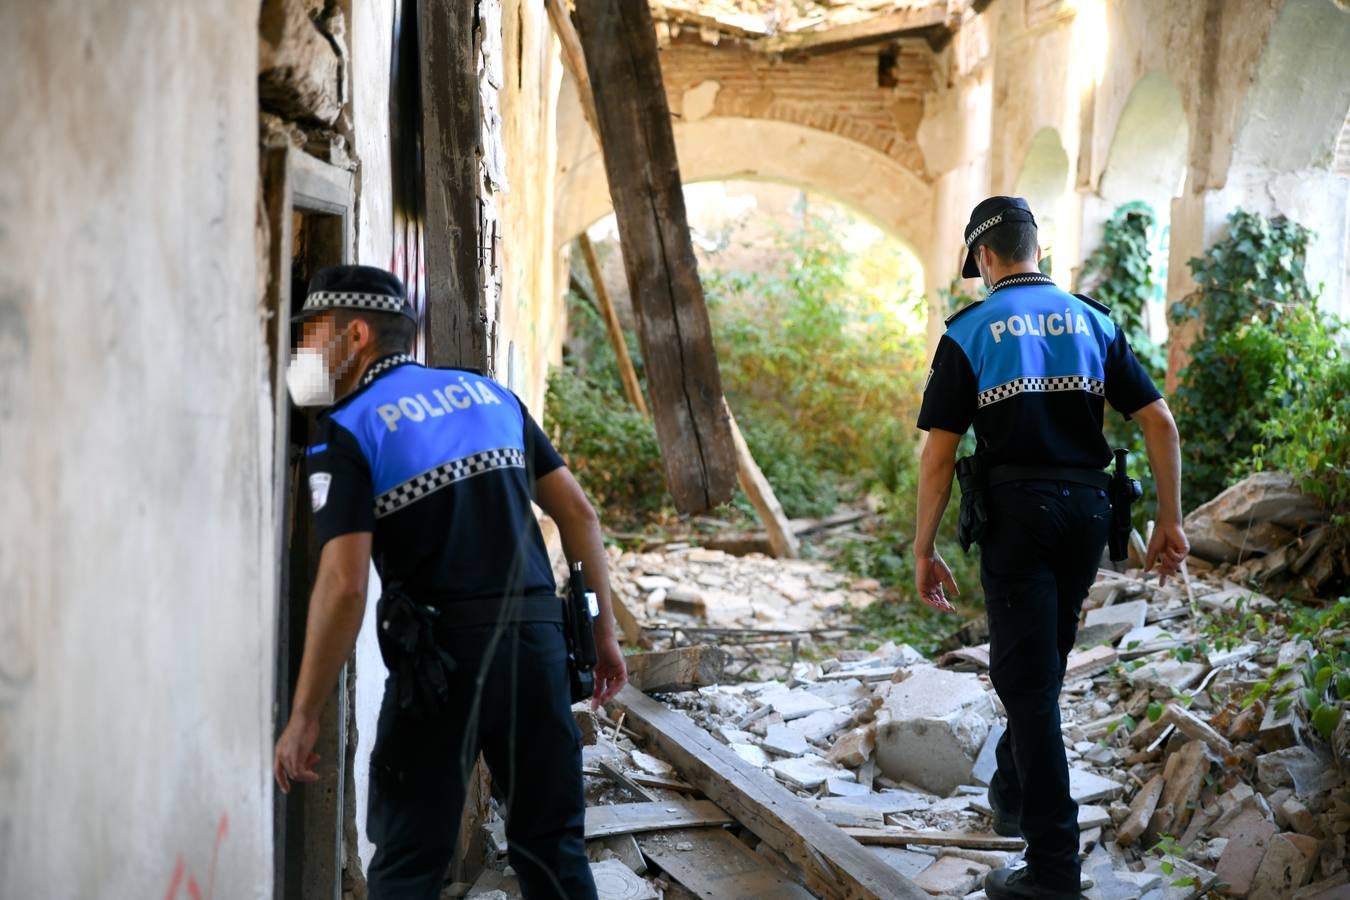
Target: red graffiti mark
<point>180,869</point>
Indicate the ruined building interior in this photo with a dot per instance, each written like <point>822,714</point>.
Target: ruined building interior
<point>174,173</point>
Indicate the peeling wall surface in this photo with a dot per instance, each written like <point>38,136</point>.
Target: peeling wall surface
<point>136,562</point>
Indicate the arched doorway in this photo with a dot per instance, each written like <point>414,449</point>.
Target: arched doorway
<point>1044,182</point>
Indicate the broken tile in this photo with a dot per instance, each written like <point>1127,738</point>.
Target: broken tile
<point>986,764</point>
<point>651,765</point>
<point>751,754</point>
<point>838,787</point>
<point>1132,613</point>
<point>796,704</point>
<point>907,862</point>
<point>1164,671</point>
<point>952,876</point>
<point>1085,787</point>
<point>820,725</point>
<point>1248,836</point>
<point>805,772</point>
<point>785,741</point>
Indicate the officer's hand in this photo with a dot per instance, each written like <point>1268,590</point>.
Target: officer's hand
<point>295,757</point>
<point>611,674</point>
<point>931,576</point>
<point>1168,549</point>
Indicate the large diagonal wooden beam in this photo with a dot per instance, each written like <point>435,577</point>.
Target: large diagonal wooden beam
<point>618,42</point>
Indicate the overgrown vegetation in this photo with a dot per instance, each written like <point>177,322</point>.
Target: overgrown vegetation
<point>1268,370</point>
<point>1120,274</point>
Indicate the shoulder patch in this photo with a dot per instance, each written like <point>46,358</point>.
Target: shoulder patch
<point>1095,304</point>
<point>961,312</point>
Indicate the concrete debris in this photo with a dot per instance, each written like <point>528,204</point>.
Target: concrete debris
<point>1190,773</point>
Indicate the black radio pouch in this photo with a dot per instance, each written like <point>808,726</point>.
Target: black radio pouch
<point>973,478</point>
<point>407,636</point>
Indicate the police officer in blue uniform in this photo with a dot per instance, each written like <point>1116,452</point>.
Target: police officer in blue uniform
<point>1031,367</point>
<point>431,473</point>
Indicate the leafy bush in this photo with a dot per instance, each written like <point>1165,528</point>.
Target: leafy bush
<point>1265,350</point>
<point>610,448</point>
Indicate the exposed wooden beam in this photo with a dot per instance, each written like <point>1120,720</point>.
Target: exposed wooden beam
<point>832,863</point>
<point>574,61</point>
<point>662,815</point>
<point>619,46</point>
<point>904,837</point>
<point>874,30</point>
<point>782,539</point>
<point>456,320</point>
<point>627,374</point>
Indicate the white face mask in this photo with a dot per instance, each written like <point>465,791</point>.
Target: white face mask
<point>308,378</point>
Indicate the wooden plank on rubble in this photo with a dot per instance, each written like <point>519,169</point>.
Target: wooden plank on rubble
<point>833,865</point>
<point>903,837</point>
<point>634,818</point>
<point>685,387</point>
<point>714,863</point>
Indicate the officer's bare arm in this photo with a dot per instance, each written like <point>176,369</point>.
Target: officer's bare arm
<point>336,606</point>
<point>565,502</point>
<point>937,465</point>
<point>1168,547</point>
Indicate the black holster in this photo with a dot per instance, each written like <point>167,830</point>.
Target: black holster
<point>407,636</point>
<point>973,478</point>
<point>1123,491</point>
<point>578,631</point>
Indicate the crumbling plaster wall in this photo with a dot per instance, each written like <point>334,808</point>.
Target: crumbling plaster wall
<point>136,560</point>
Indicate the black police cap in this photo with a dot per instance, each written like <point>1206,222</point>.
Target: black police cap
<point>361,288</point>
<point>987,214</point>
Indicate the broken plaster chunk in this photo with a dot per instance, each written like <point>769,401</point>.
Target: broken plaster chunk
<point>951,876</point>
<point>785,741</point>
<point>806,772</point>
<point>796,704</point>
<point>855,747</point>
<point>931,729</point>
<point>616,881</point>
<point>1163,671</point>
<point>751,754</point>
<point>1132,613</point>
<point>1249,836</point>
<point>651,765</point>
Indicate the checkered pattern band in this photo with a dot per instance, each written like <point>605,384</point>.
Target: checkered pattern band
<point>1028,278</point>
<point>982,228</point>
<point>1042,385</point>
<point>353,300</point>
<point>431,481</point>
<point>383,366</point>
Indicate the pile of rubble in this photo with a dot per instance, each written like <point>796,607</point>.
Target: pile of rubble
<point>1197,761</point>
<point>1264,530</point>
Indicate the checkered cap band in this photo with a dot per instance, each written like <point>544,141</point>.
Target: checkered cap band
<point>433,480</point>
<point>982,228</point>
<point>385,365</point>
<point>1042,385</point>
<point>353,300</point>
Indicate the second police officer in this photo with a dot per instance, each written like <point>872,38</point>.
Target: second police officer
<point>431,472</point>
<point>1031,367</point>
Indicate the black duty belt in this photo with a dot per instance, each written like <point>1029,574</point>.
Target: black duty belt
<point>459,613</point>
<point>1007,474</point>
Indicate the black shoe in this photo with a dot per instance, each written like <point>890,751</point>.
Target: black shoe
<point>1020,884</point>
<point>1005,823</point>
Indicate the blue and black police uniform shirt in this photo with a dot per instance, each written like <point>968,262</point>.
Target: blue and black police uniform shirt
<point>1031,367</point>
<point>440,465</point>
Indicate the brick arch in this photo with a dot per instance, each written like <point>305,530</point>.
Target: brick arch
<point>721,148</point>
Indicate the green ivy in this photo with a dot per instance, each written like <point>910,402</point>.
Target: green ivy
<point>1120,274</point>
<point>1265,351</point>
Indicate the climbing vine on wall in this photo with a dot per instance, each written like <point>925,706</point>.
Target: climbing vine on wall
<point>1120,274</point>
<point>1263,350</point>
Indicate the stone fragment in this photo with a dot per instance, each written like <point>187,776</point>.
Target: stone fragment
<point>806,772</point>
<point>908,863</point>
<point>1248,837</point>
<point>751,754</point>
<point>796,704</point>
<point>1132,613</point>
<point>838,787</point>
<point>853,749</point>
<point>1165,672</point>
<point>1333,888</point>
<point>1286,867</point>
<point>931,729</point>
<point>1297,767</point>
<point>820,725</point>
<point>952,876</point>
<point>1300,819</point>
<point>1141,811</point>
<point>299,70</point>
<point>651,583</point>
<point>785,741</point>
<point>1184,775</point>
<point>1085,787</point>
<point>1195,728</point>
<point>986,764</point>
<point>651,765</point>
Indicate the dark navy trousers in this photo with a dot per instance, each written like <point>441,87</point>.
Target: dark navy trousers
<point>1039,555</point>
<point>511,700</point>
